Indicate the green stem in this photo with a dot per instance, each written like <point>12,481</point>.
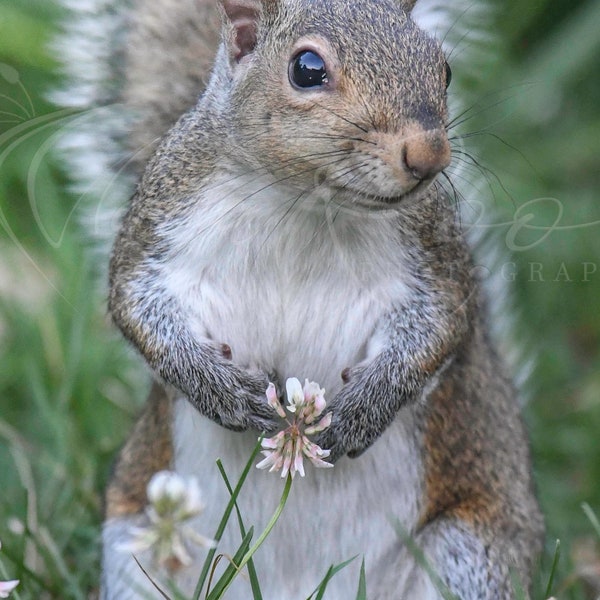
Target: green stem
<point>219,534</point>
<point>256,592</point>
<point>267,531</point>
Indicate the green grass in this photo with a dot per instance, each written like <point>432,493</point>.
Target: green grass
<point>69,387</point>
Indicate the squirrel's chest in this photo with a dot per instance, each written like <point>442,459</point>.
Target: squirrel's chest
<point>290,291</point>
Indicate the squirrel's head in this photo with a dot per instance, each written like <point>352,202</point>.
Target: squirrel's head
<point>345,95</point>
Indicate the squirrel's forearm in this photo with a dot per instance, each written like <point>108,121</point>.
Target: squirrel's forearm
<point>422,337</point>
<point>219,389</point>
<point>146,313</point>
<point>157,324</point>
<point>152,322</point>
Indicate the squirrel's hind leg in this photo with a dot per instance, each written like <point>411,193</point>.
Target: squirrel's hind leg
<point>445,559</point>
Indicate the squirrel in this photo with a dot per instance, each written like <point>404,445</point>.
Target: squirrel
<point>291,222</point>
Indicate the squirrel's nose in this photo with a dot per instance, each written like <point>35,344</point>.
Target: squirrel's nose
<point>426,154</point>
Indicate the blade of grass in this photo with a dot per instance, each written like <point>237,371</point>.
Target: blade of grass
<point>419,556</point>
<point>518,589</point>
<point>331,572</point>
<point>154,584</point>
<point>256,592</point>
<point>263,536</point>
<point>50,550</point>
<point>232,570</point>
<point>213,570</point>
<point>553,570</point>
<point>219,534</point>
<point>362,583</point>
<point>591,515</point>
<point>174,591</point>
<point>324,583</point>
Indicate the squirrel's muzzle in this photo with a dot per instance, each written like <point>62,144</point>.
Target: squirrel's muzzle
<point>408,157</point>
<point>426,153</point>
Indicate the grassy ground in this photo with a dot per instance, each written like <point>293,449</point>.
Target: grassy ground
<point>69,387</point>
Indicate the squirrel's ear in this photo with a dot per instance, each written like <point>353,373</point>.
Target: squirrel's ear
<point>243,15</point>
<point>409,4</point>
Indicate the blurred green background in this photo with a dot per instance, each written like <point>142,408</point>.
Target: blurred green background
<point>69,387</point>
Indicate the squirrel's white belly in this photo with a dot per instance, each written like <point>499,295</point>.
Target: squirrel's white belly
<point>312,329</point>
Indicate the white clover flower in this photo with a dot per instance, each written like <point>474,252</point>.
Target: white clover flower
<point>6,587</point>
<point>285,451</point>
<point>173,500</point>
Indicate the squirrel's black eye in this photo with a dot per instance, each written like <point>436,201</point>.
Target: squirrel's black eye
<point>448,75</point>
<point>307,70</point>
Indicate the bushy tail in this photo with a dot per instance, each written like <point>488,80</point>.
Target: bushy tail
<point>133,68</point>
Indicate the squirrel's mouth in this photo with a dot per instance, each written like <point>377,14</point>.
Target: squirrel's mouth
<point>351,196</point>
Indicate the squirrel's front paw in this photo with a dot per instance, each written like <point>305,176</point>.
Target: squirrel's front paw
<point>246,407</point>
<point>354,426</point>
<point>236,398</point>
